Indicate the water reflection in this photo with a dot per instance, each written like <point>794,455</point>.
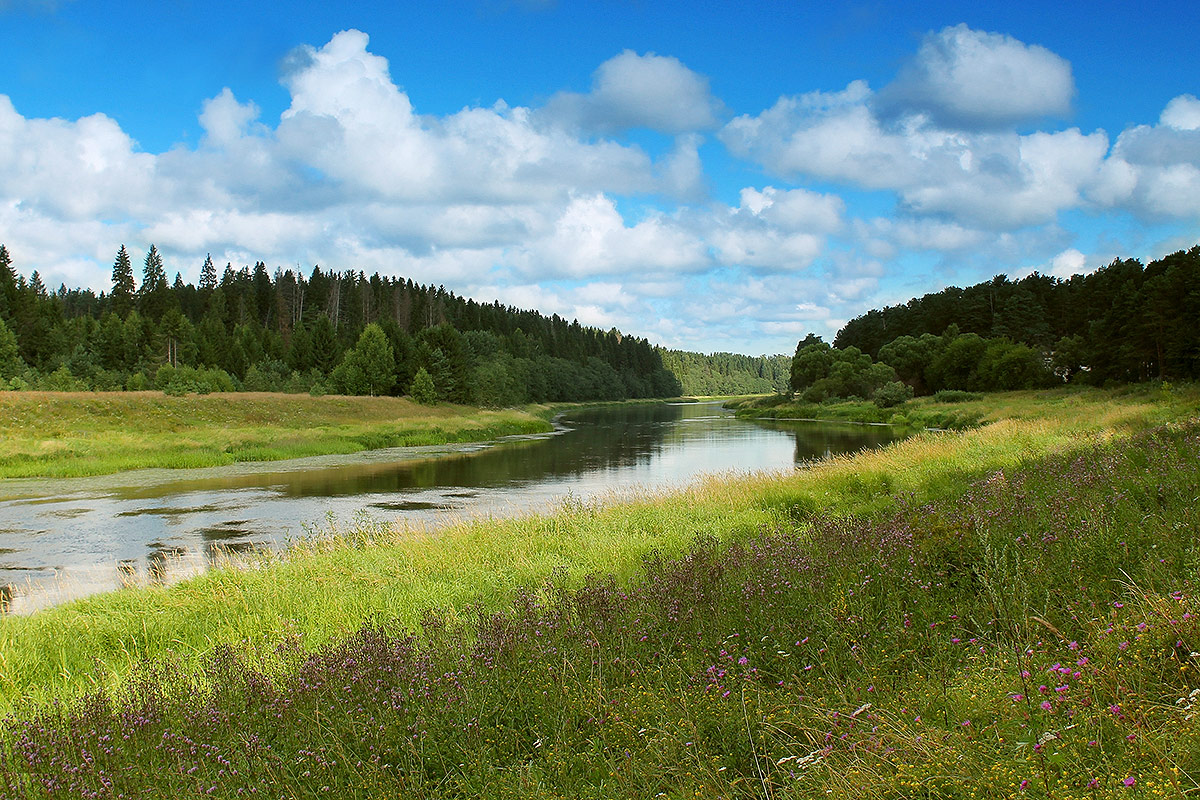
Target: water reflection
<point>65,538</point>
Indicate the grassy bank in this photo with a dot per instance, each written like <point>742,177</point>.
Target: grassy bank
<point>71,434</point>
<point>893,624</point>
<point>962,410</point>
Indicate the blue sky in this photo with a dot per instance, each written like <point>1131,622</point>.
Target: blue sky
<point>713,176</point>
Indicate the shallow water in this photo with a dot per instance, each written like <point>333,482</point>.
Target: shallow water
<point>65,538</point>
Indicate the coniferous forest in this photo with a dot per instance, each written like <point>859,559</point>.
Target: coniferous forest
<point>253,330</point>
<point>1123,323</point>
<point>248,329</point>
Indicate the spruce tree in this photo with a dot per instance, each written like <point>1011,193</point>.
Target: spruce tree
<point>152,299</point>
<point>8,284</point>
<point>208,275</point>
<point>10,357</point>
<point>123,285</point>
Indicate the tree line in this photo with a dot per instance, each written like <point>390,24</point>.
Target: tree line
<point>329,331</point>
<point>728,373</point>
<point>1125,322</point>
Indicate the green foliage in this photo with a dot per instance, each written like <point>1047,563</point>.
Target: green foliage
<point>716,374</point>
<point>123,287</point>
<point>1122,322</point>
<point>368,368</point>
<point>422,389</point>
<point>955,396</point>
<point>811,363</point>
<point>892,394</point>
<point>10,358</point>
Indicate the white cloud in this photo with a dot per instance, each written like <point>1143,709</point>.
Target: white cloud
<point>1182,113</point>
<point>795,209</point>
<point>1160,165</point>
<point>639,91</point>
<point>1067,263</point>
<point>590,237</point>
<point>997,180</point>
<point>970,79</point>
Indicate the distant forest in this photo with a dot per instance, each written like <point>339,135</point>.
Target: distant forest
<point>1122,323</point>
<point>338,332</point>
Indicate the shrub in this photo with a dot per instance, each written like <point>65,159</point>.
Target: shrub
<point>892,394</point>
<point>955,396</point>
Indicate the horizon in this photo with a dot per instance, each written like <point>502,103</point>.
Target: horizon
<point>677,173</point>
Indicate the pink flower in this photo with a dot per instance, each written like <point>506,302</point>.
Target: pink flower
<point>1129,781</point>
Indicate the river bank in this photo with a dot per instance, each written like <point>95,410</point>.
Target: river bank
<point>954,410</point>
<point>75,434</point>
<point>885,624</point>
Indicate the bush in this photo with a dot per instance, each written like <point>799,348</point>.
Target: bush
<point>892,394</point>
<point>955,396</point>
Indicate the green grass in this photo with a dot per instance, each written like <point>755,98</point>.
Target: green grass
<point>326,590</point>
<point>975,410</point>
<point>1054,530</point>
<point>73,434</point>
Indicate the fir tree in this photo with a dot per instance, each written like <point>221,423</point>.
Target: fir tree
<point>123,285</point>
<point>208,275</point>
<point>8,284</point>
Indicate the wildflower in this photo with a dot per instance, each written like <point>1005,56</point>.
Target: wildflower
<point>1129,781</point>
<point>1046,705</point>
<point>1024,785</point>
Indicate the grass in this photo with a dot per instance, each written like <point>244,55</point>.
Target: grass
<point>881,625</point>
<point>73,434</point>
<point>973,410</point>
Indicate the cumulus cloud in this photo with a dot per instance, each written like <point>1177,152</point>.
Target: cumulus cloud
<point>591,237</point>
<point>970,79</point>
<point>1067,263</point>
<point>1182,113</point>
<point>639,91</point>
<point>989,179</point>
<point>1159,166</point>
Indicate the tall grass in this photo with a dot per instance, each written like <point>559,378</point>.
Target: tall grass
<point>1031,636</point>
<point>888,606</point>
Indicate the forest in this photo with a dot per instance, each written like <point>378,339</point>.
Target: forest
<point>337,332</point>
<point>1123,323</point>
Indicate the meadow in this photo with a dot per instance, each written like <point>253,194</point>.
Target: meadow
<point>73,434</point>
<point>1004,611</point>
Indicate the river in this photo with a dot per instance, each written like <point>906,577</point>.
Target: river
<point>66,538</point>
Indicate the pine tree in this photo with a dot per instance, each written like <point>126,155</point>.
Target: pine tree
<point>208,275</point>
<point>152,299</point>
<point>10,358</point>
<point>8,285</point>
<point>123,285</point>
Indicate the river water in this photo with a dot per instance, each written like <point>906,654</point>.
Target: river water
<point>66,538</point>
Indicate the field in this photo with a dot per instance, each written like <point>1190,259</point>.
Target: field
<point>72,434</point>
<point>1005,611</point>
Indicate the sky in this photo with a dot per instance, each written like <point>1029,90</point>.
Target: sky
<point>711,176</point>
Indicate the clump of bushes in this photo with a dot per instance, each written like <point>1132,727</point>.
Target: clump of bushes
<point>955,396</point>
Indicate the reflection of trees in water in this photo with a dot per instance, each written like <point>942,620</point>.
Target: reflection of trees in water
<point>598,439</point>
<point>815,440</point>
